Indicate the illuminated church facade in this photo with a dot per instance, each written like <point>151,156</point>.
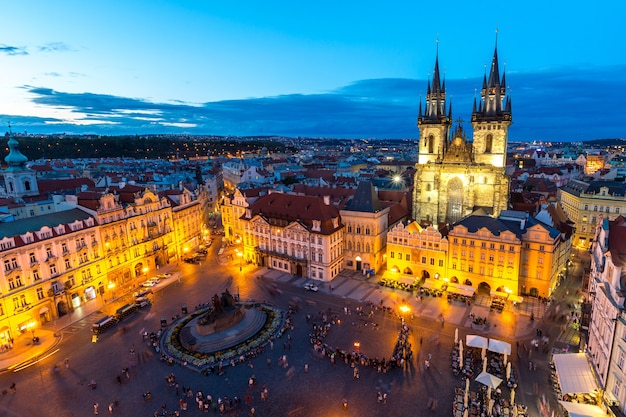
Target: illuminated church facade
<point>454,176</point>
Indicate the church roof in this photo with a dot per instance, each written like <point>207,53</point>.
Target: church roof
<point>32,224</point>
<point>365,199</point>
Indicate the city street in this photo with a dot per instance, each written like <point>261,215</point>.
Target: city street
<point>292,391</point>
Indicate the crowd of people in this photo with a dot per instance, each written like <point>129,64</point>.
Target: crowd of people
<point>402,353</point>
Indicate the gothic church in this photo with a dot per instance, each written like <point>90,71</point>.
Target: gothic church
<point>454,176</point>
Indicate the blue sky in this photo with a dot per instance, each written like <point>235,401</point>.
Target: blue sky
<point>324,68</point>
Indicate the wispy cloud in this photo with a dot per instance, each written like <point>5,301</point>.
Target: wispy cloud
<point>572,104</point>
<point>53,47</point>
<point>13,50</point>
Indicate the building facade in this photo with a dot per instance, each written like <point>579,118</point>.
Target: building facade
<point>606,290</point>
<point>365,235</point>
<point>300,235</point>
<point>585,201</point>
<point>454,176</point>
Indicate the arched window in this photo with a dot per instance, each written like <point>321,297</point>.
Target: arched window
<point>455,200</point>
<point>367,247</point>
<point>427,187</point>
<point>27,185</point>
<point>431,144</point>
<point>488,143</point>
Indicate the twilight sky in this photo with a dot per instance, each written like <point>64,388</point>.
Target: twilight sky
<point>325,68</point>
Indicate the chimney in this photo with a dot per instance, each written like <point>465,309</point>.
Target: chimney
<point>327,200</point>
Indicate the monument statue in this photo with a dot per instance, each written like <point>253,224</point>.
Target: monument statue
<point>224,312</point>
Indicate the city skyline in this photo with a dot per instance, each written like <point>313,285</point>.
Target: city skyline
<point>348,70</point>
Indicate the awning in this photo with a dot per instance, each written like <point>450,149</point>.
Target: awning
<point>465,290</point>
<point>582,410</point>
<point>433,284</point>
<point>574,372</point>
<point>476,341</point>
<point>499,346</point>
<point>501,294</point>
<point>4,328</point>
<point>43,310</point>
<point>516,298</point>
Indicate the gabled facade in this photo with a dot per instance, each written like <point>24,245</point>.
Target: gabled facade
<point>365,237</point>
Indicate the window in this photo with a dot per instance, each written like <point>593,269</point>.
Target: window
<point>483,245</point>
<point>492,246</point>
<point>40,295</point>
<point>33,258</point>
<point>400,255</point>
<point>542,248</point>
<point>423,259</point>
<point>432,261</point>
<point>68,264</point>
<point>607,210</point>
<point>408,257</point>
<point>586,206</point>
<point>482,256</point>
<point>616,210</point>
<point>501,247</point>
<point>595,208</point>
<point>453,265</point>
<point>36,276</point>
<point>441,262</point>
<point>53,269</point>
<point>319,257</point>
<point>491,257</point>
<point>392,254</point>
<point>470,268</point>
<point>367,230</point>
<point>617,388</point>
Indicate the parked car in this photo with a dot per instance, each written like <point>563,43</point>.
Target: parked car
<point>163,276</point>
<point>142,293</point>
<point>155,279</point>
<point>311,287</point>
<point>148,283</point>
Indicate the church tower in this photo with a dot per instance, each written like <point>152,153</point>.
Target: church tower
<point>433,123</point>
<point>492,118</point>
<point>455,176</point>
<point>18,178</point>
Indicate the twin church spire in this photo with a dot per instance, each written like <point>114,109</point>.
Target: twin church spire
<point>494,103</point>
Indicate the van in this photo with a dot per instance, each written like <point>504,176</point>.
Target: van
<point>142,302</point>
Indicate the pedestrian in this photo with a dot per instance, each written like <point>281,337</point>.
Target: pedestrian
<point>95,408</point>
<point>67,363</point>
<point>110,408</point>
<point>385,398</point>
<point>379,397</point>
<point>12,388</point>
<point>427,364</point>
<point>306,367</point>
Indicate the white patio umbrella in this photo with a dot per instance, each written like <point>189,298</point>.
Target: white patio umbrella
<point>456,335</point>
<point>505,359</point>
<point>476,341</point>
<point>499,346</point>
<point>508,370</point>
<point>512,397</point>
<point>489,380</point>
<point>485,364</point>
<point>460,354</point>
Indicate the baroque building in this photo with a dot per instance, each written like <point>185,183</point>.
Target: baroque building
<point>300,235</point>
<point>606,346</point>
<point>455,176</point>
